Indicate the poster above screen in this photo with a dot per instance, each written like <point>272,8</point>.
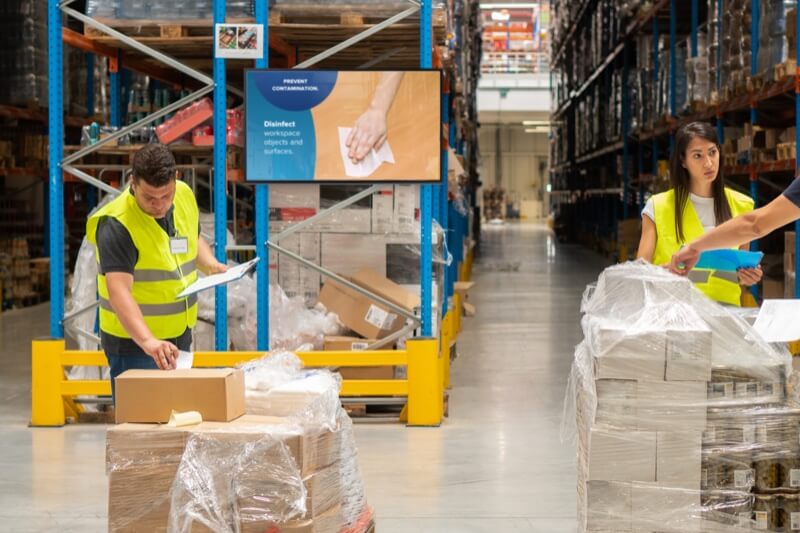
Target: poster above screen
<point>343,126</point>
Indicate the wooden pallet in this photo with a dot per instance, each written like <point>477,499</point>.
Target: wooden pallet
<point>310,29</point>
<point>158,29</point>
<point>784,70</point>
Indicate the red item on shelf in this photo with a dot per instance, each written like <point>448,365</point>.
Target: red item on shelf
<point>185,121</point>
<point>203,136</point>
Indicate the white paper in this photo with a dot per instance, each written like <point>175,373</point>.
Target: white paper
<point>232,274</point>
<point>777,321</point>
<point>184,360</point>
<point>368,165</point>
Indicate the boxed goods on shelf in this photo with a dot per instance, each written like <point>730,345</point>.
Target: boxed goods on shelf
<point>774,37</point>
<point>685,420</point>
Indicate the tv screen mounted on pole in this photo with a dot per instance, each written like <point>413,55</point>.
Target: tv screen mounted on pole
<point>343,126</point>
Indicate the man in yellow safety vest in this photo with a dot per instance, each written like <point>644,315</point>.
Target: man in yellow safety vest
<point>148,248</point>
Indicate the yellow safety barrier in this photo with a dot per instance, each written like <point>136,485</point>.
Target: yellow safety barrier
<point>52,393</point>
<point>465,270</point>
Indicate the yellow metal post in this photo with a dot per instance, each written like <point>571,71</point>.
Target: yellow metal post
<point>458,310</point>
<point>425,393</point>
<point>47,405</point>
<point>444,347</point>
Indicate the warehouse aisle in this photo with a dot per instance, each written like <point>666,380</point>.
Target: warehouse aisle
<point>496,465</point>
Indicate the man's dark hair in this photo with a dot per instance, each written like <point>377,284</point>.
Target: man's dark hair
<point>154,164</point>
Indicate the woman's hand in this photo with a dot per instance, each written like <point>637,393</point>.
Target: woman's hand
<point>749,276</point>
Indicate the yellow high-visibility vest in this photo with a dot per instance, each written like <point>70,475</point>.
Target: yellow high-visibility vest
<point>720,286</point>
<point>159,275</point>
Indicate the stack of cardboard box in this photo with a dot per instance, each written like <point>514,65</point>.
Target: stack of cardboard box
<point>232,472</point>
<point>664,377</point>
<point>353,238</point>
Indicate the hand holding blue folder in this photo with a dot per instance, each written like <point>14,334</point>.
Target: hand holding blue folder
<point>729,260</point>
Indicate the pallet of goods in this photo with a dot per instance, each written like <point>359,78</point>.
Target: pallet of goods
<point>685,420</point>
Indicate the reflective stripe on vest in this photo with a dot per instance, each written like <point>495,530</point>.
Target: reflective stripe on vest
<point>720,286</point>
<point>159,275</point>
<point>157,309</point>
<point>185,269</point>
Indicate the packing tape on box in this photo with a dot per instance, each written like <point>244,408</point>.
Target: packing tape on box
<point>188,418</point>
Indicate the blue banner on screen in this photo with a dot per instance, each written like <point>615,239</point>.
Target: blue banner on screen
<point>343,126</point>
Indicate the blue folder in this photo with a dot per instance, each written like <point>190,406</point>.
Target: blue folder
<point>729,260</point>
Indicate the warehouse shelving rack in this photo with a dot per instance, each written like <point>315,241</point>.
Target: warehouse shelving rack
<point>117,45</point>
<point>622,195</point>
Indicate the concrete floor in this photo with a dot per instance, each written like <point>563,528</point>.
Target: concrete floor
<point>496,464</point>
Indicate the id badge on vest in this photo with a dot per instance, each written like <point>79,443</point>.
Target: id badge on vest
<point>178,245</point>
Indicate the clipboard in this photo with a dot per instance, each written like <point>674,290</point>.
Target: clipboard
<point>233,273</point>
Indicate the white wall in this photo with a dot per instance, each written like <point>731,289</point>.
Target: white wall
<point>523,157</point>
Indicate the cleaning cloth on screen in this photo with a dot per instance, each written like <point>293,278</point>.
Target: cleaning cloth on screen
<point>729,260</point>
<point>369,164</point>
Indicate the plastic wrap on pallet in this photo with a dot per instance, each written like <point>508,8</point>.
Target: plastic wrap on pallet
<point>227,481</point>
<point>278,385</point>
<point>164,9</point>
<point>83,292</point>
<point>256,473</point>
<point>684,419</point>
<point>773,46</point>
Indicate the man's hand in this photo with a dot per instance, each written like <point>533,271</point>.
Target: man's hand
<point>216,268</point>
<point>684,260</point>
<point>750,276</point>
<point>162,352</point>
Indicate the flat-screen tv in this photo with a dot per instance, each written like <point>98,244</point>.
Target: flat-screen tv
<point>354,126</point>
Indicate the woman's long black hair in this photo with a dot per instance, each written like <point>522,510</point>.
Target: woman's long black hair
<point>680,178</point>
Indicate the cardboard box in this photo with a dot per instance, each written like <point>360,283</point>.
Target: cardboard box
<point>143,460</point>
<point>622,455</point>
<point>359,313</point>
<point>383,210</point>
<point>772,288</point>
<point>689,354</point>
<point>666,507</point>
<point>608,506</point>
<point>348,344</point>
<point>283,195</point>
<point>328,522</point>
<point>346,254</point>
<point>679,456</point>
<point>672,405</point>
<point>405,208</point>
<point>294,278</point>
<point>353,344</point>
<point>617,401</point>
<point>619,355</point>
<point>349,220</point>
<point>150,396</point>
<point>387,289</point>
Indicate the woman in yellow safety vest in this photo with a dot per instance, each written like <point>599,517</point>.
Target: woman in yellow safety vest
<point>697,202</point>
